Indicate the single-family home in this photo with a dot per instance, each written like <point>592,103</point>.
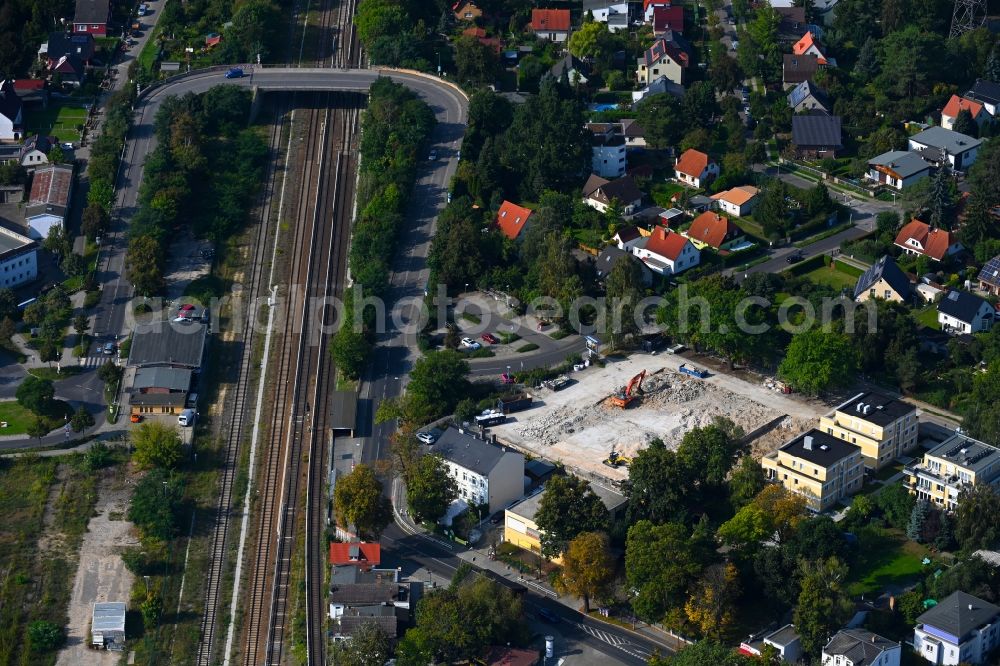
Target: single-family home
<point>18,258</point>
<point>738,201</point>
<point>355,553</point>
<point>819,467</point>
<point>695,168</point>
<point>613,13</point>
<point>958,104</point>
<point>793,22</point>
<point>785,641</point>
<point>884,427</point>
<point>807,45</point>
<point>650,6</point>
<point>626,238</point>
<point>988,93</point>
<point>807,97</point>
<point>715,231</point>
<point>860,647</point>
<point>32,92</point>
<point>658,86</point>
<point>35,151</point>
<point>599,193</point>
<point>666,57</point>
<point>898,169</point>
<point>960,628</point>
<point>92,16</point>
<point>607,150</point>
<point>11,118</point>
<point>666,252</point>
<point>611,255</point>
<point>796,69</point>
<point>634,133</point>
<point>817,137</point>
<point>940,145</point>
<point>466,10</point>
<point>486,474</point>
<point>668,17</point>
<point>359,595</point>
<point>550,24</point>
<point>884,279</point>
<point>953,465</point>
<point>918,237</point>
<point>48,200</point>
<point>70,69</point>
<point>962,312</point>
<point>60,44</point>
<point>512,219</point>
<point>575,70</point>
<point>989,276</point>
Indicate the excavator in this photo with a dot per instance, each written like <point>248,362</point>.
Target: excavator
<point>616,460</point>
<point>626,394</point>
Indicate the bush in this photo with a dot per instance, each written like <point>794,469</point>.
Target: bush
<point>45,636</point>
<point>531,346</point>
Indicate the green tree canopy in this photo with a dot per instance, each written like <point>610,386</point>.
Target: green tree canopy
<point>156,504</point>
<point>818,360</point>
<point>661,562</point>
<point>35,394</point>
<point>156,444</point>
<point>358,501</point>
<point>823,606</point>
<point>568,507</point>
<point>429,488</point>
<point>978,518</point>
<point>587,567</point>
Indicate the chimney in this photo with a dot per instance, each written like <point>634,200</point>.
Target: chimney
<point>970,606</point>
<point>873,638</point>
<point>807,443</point>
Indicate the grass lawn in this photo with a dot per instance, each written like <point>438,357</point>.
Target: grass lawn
<point>58,120</point>
<point>885,557</point>
<point>149,50</point>
<point>886,472</point>
<point>832,278</point>
<point>55,375</point>
<point>928,316</point>
<point>661,193</point>
<point>18,418</point>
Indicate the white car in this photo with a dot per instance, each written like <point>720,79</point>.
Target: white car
<point>676,349</point>
<point>470,344</point>
<point>428,437</point>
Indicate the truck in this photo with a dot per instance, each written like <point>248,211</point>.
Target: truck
<point>694,371</point>
<point>514,403</point>
<point>559,383</point>
<point>490,417</point>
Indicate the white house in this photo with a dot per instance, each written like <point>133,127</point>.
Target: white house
<point>738,201</point>
<point>785,640</point>
<point>34,152</point>
<point>898,169</point>
<point>858,647</point>
<point>612,12</point>
<point>11,119</point>
<point>657,86</point>
<point>960,629</point>
<point>598,193</point>
<point>666,252</point>
<point>18,258</point>
<point>940,145</point>
<point>48,202</point>
<point>627,238</point>
<point>485,473</point>
<point>988,93</point>
<point>958,104</point>
<point>607,150</point>
<point>962,312</point>
<point>918,237</point>
<point>550,24</point>
<point>695,168</point>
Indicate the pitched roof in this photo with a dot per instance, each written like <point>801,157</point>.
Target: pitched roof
<point>900,163</point>
<point>351,623</point>
<point>985,91</point>
<point>92,11</point>
<point>666,243</point>
<point>668,18</point>
<point>961,305</point>
<point>692,162</point>
<point>958,104</point>
<point>24,85</point>
<point>959,613</point>
<point>51,186</point>
<point>884,269</point>
<point>356,552</point>
<point>738,195</point>
<point>791,18</point>
<point>802,91</point>
<point>808,42</point>
<point>593,182</point>
<point>469,452</point>
<point>816,131</point>
<point>935,242</point>
<point>174,379</point>
<point>567,64</point>
<point>712,228</point>
<point>626,234</point>
<point>631,128</point>
<point>61,43</point>
<point>947,140</point>
<point>10,103</point>
<point>550,20</point>
<point>861,647</point>
<point>664,47</point>
<point>474,32</point>
<point>512,219</point>
<point>623,189</point>
<point>822,449</point>
<point>991,272</point>
<point>798,68</point>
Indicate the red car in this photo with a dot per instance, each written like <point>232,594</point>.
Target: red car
<point>490,338</point>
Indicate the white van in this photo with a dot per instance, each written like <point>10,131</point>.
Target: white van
<point>186,418</point>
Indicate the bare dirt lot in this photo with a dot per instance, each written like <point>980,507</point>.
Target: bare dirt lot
<point>578,427</point>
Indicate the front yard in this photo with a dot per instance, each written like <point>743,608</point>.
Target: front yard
<point>59,120</point>
<point>885,559</point>
<point>831,277</point>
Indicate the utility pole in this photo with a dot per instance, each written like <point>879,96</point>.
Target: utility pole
<point>967,16</point>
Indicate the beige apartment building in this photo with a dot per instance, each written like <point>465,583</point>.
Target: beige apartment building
<point>954,464</point>
<point>884,427</point>
<point>817,466</point>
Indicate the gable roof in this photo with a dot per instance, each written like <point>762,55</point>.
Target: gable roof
<point>935,242</point>
<point>670,17</point>
<point>798,68</point>
<point>472,453</point>
<point>985,91</point>
<point>51,186</point>
<point>173,379</point>
<point>593,182</point>
<point>623,189</point>
<point>816,131</point>
<point>666,47</point>
<point>692,162</point>
<point>801,92</point>
<point>92,11</point>
<point>666,243</point>
<point>791,18</point>
<point>61,43</point>
<point>355,552</point>
<point>900,163</point>
<point>961,305</point>
<point>991,272</point>
<point>958,104</point>
<point>959,613</point>
<point>550,20</point>
<point>859,646</point>
<point>512,219</point>
<point>808,42</point>
<point>712,228</point>
<point>737,195</point>
<point>884,269</point>
<point>567,64</point>
<point>626,234</point>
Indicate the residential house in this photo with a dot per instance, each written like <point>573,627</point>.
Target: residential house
<point>92,16</point>
<point>11,118</point>
<point>18,258</point>
<point>607,150</point>
<point>715,231</point>
<point>62,44</point>
<point>550,24</point>
<point>860,647</point>
<point>821,468</point>
<point>666,252</point>
<point>807,45</point>
<point>666,57</point>
<point>107,625</point>
<point>918,237</point>
<point>355,553</point>
<point>658,86</point>
<point>953,465</point>
<point>695,168</point>
<point>884,279</point>
<point>898,169</point>
<point>614,13</point>
<point>668,18</point>
<point>807,97</point>
<point>796,69</point>
<point>466,10</point>
<point>486,474</point>
<point>35,151</point>
<point>939,145</point>
<point>576,70</point>
<point>958,104</point>
<point>961,628</point>
<point>598,193</point>
<point>987,93</point>
<point>989,277</point>
<point>158,390</point>
<point>360,592</point>
<point>884,427</point>
<point>168,344</point>
<point>70,70</point>
<point>627,238</point>
<point>793,22</point>
<point>650,6</point>
<point>738,201</point>
<point>48,200</point>
<point>32,92</point>
<point>512,219</point>
<point>635,135</point>
<point>611,255</point>
<point>961,312</point>
<point>816,137</point>
<point>521,530</point>
<point>785,640</point>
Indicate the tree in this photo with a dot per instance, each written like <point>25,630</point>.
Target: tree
<point>661,562</point>
<point>37,428</point>
<point>81,420</point>
<point>109,372</point>
<point>156,445</point>
<point>977,518</point>
<point>945,539</point>
<point>773,514</point>
<point>866,67</point>
<point>476,62</point>
<point>568,507</point>
<point>592,41</point>
<point>56,241</point>
<point>818,200</point>
<point>822,606</point>
<point>35,394</point>
<point>151,608</point>
<point>429,488</point>
<point>819,360</point>
<point>657,485</point>
<point>369,646</point>
<point>437,382</point>
<point>358,501</point>
<point>964,124</point>
<point>660,117</point>
<point>940,202</point>
<point>80,324</point>
<point>710,606</point>
<point>914,530</point>
<point>623,289</point>
<point>144,264</point>
<point>746,482</point>
<point>705,653</point>
<point>587,568</point>
<point>992,71</point>
<point>156,504</point>
<point>45,636</point>
<point>94,221</point>
<point>896,503</point>
<point>772,212</point>
<point>350,350</point>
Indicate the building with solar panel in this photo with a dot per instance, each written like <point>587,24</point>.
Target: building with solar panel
<point>989,277</point>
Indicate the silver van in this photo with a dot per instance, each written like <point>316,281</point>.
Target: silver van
<point>186,418</point>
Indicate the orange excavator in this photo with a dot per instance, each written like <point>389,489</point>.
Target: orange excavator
<point>626,394</point>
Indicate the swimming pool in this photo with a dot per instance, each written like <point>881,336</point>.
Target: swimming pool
<point>603,107</point>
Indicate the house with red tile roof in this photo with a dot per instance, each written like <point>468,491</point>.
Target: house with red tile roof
<point>809,46</point>
<point>466,10</point>
<point>958,104</point>
<point>669,17</point>
<point>668,56</point>
<point>738,201</point>
<point>550,24</point>
<point>713,230</point>
<point>920,238</point>
<point>695,168</point>
<point>358,553</point>
<point>666,252</point>
<point>512,219</point>
<point>649,8</point>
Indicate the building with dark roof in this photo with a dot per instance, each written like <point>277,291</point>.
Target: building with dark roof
<point>623,190</point>
<point>859,647</point>
<point>989,277</point>
<point>942,145</point>
<point>883,279</point>
<point>959,629</point>
<point>666,57</point>
<point>820,467</point>
<point>956,463</point>
<point>961,312</point>
<point>785,640</point>
<point>808,97</point>
<point>798,68</point>
<point>882,426</point>
<point>485,473</point>
<point>158,390</point>
<point>168,344</point>
<point>60,44</point>
<point>11,118</point>
<point>92,16</point>
<point>611,255</point>
<point>817,136</point>
<point>898,168</point>
<point>987,92</point>
<point>386,617</point>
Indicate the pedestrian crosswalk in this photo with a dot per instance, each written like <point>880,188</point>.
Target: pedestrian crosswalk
<point>94,361</point>
<point>614,640</point>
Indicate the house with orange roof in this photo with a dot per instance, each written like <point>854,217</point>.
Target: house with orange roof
<point>357,553</point>
<point>650,6</point>
<point>466,10</point>
<point>512,219</point>
<point>550,24</point>
<point>738,201</point>
<point>666,252</point>
<point>809,46</point>
<point>715,231</point>
<point>958,104</point>
<point>920,238</point>
<point>695,168</point>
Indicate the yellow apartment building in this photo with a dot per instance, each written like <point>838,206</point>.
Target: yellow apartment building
<point>884,427</point>
<point>952,465</point>
<point>821,468</point>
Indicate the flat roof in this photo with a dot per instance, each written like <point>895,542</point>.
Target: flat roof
<point>824,449</point>
<point>109,616</point>
<point>528,507</point>
<point>966,452</point>
<point>883,409</point>
<point>11,242</point>
<point>177,344</point>
<point>344,411</point>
